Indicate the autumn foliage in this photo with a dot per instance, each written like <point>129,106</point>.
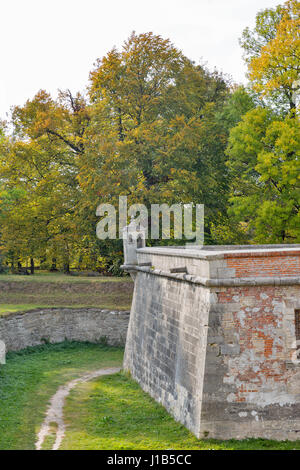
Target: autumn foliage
<point>156,127</point>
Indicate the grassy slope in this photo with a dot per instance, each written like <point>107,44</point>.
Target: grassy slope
<point>59,277</point>
<point>61,290</point>
<point>114,413</point>
<point>31,377</point>
<point>7,309</point>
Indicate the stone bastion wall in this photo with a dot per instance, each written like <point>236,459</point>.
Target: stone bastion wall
<point>214,336</point>
<point>54,325</point>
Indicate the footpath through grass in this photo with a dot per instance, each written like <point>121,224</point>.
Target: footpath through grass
<point>112,412</point>
<point>107,413</point>
<point>31,377</point>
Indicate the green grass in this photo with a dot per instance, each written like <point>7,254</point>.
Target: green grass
<point>31,377</point>
<point>6,309</point>
<point>108,302</point>
<point>44,290</point>
<point>107,413</point>
<point>114,413</point>
<point>60,278</point>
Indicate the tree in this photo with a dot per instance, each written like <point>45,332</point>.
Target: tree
<point>272,52</point>
<point>266,190</point>
<point>264,147</point>
<point>154,127</point>
<point>156,135</point>
<point>38,173</point>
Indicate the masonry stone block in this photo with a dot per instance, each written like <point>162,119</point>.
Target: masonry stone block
<point>230,349</point>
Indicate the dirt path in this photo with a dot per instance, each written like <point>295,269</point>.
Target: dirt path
<point>54,415</point>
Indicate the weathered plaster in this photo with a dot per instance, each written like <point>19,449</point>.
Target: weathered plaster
<point>216,345</point>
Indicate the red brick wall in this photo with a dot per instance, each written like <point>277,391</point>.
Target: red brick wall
<point>264,264</point>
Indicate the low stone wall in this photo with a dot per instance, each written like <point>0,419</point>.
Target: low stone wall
<point>55,325</point>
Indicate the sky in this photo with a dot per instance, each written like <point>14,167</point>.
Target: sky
<point>53,44</point>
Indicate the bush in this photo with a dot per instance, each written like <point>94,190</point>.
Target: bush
<point>3,267</point>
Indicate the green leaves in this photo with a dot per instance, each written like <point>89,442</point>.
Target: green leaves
<point>155,127</point>
<point>264,161</point>
<point>159,134</point>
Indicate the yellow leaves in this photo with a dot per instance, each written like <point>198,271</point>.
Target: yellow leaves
<point>134,82</point>
<point>278,64</point>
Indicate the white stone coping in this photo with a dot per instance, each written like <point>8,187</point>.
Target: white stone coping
<point>214,253</point>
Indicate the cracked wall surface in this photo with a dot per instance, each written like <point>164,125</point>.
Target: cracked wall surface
<point>252,382</point>
<point>218,350</point>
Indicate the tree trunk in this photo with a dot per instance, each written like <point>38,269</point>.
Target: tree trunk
<point>31,265</point>
<point>67,268</point>
<point>53,267</point>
